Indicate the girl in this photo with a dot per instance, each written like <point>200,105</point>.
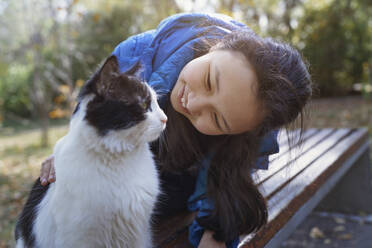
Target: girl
<point>226,92</point>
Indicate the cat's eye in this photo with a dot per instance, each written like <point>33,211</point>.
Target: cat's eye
<point>144,105</point>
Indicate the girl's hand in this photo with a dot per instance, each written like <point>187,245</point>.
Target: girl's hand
<point>208,241</point>
<point>47,172</point>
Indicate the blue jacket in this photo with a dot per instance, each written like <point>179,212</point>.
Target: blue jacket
<point>163,52</point>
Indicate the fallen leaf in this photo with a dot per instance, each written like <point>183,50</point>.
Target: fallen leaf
<point>362,213</point>
<point>345,236</point>
<point>327,241</point>
<point>316,233</point>
<point>340,220</point>
<point>16,195</point>
<point>339,229</point>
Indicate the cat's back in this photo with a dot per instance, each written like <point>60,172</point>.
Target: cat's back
<point>24,232</point>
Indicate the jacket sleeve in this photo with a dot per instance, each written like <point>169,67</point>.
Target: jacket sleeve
<point>200,203</point>
<point>203,206</point>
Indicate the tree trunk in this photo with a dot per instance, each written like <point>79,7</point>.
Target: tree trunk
<point>38,94</point>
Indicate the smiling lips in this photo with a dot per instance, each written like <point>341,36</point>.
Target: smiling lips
<point>183,100</point>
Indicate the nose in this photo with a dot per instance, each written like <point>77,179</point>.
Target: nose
<point>163,118</point>
<point>196,104</point>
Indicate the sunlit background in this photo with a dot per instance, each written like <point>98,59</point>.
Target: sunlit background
<point>48,48</point>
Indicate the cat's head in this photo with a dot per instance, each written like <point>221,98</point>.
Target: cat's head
<point>119,106</point>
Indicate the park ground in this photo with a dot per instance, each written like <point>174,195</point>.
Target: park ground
<point>21,156</point>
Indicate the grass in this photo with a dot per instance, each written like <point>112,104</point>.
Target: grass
<point>20,158</point>
<point>21,154</point>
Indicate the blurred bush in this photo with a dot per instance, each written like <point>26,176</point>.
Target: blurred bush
<point>336,38</point>
<point>14,90</point>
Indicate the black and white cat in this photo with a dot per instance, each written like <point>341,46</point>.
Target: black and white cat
<point>107,182</point>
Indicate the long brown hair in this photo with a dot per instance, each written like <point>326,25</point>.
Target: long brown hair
<point>284,87</point>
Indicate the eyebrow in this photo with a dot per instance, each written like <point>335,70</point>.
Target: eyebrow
<point>217,80</point>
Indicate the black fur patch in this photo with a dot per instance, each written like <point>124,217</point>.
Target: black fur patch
<point>26,220</point>
<point>106,115</point>
<point>120,99</point>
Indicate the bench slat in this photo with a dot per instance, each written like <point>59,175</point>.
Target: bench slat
<point>279,163</point>
<point>284,176</point>
<point>329,148</point>
<point>284,204</point>
<point>283,141</point>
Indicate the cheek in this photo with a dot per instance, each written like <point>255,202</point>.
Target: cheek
<point>204,126</point>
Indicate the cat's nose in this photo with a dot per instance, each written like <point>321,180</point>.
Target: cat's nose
<point>164,119</point>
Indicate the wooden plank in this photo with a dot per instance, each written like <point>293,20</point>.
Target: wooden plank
<point>277,161</point>
<point>283,141</point>
<point>353,193</point>
<point>169,231</point>
<point>282,136</point>
<point>278,164</point>
<point>308,207</point>
<point>284,204</point>
<point>283,177</point>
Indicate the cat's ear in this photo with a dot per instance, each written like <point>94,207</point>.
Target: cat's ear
<point>110,67</point>
<point>109,70</point>
<point>135,70</point>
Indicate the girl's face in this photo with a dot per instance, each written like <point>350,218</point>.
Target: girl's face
<point>217,93</point>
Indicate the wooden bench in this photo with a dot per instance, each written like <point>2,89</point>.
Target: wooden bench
<point>293,191</point>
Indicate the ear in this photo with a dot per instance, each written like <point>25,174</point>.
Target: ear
<point>135,70</point>
<point>109,70</point>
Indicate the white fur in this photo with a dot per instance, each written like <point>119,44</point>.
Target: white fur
<point>20,243</point>
<point>106,187</point>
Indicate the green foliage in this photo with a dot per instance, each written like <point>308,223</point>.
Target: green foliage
<point>336,40</point>
<point>60,51</point>
<point>99,32</point>
<point>14,91</point>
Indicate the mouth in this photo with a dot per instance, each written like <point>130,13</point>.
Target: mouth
<point>182,100</point>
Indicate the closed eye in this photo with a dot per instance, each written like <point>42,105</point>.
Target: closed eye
<point>217,122</point>
<point>209,86</point>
